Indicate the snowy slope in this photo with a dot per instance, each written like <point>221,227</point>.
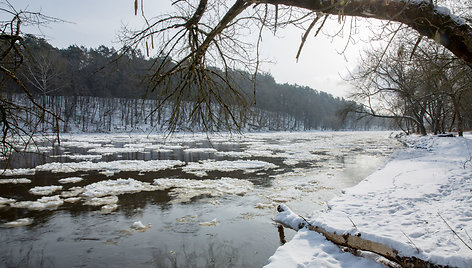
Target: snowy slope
<point>408,205</point>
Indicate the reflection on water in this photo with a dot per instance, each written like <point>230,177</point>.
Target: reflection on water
<point>213,228</point>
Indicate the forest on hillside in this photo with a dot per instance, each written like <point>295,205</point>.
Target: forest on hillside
<point>104,90</point>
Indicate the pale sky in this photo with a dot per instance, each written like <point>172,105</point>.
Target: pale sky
<point>97,22</point>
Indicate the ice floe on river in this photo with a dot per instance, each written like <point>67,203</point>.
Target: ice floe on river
<point>19,222</point>
<point>83,157</point>
<point>14,181</point>
<point>105,193</point>
<point>71,180</point>
<point>116,187</point>
<point>6,201</point>
<point>45,190</point>
<point>17,172</point>
<point>183,190</point>
<point>101,201</point>
<point>43,203</point>
<point>115,166</point>
<point>200,168</point>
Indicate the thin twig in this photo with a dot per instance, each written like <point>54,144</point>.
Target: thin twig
<point>353,224</point>
<point>417,249</point>
<point>467,245</point>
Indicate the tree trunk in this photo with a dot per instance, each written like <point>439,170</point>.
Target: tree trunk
<point>457,110</point>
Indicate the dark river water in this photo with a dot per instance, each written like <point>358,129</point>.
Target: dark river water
<point>204,201</point>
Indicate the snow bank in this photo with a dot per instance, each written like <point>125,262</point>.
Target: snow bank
<point>403,206</point>
<point>310,249</point>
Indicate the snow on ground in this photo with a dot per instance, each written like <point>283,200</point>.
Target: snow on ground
<point>310,249</point>
<point>408,205</point>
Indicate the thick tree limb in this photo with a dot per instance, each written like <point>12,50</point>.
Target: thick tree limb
<point>423,16</point>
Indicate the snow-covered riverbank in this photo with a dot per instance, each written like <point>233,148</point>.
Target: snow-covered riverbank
<point>414,204</point>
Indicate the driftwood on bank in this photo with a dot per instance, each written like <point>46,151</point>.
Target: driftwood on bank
<point>353,243</point>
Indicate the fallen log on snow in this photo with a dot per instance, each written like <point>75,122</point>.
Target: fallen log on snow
<point>353,243</point>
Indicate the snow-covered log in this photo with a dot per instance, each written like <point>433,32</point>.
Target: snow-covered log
<point>356,242</point>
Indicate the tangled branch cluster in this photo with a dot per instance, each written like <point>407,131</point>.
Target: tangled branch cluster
<point>16,127</point>
<point>202,50</point>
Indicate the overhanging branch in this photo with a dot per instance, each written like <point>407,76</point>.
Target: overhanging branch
<point>427,19</point>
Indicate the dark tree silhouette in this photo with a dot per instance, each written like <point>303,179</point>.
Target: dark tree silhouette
<point>14,125</point>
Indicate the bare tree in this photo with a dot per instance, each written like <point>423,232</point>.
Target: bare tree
<point>18,122</point>
<point>389,86</point>
<point>419,84</point>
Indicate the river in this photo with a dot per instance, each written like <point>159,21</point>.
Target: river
<point>191,200</point>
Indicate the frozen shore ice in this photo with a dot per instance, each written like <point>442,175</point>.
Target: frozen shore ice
<point>405,205</point>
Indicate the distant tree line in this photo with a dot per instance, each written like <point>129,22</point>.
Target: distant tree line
<point>77,72</point>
